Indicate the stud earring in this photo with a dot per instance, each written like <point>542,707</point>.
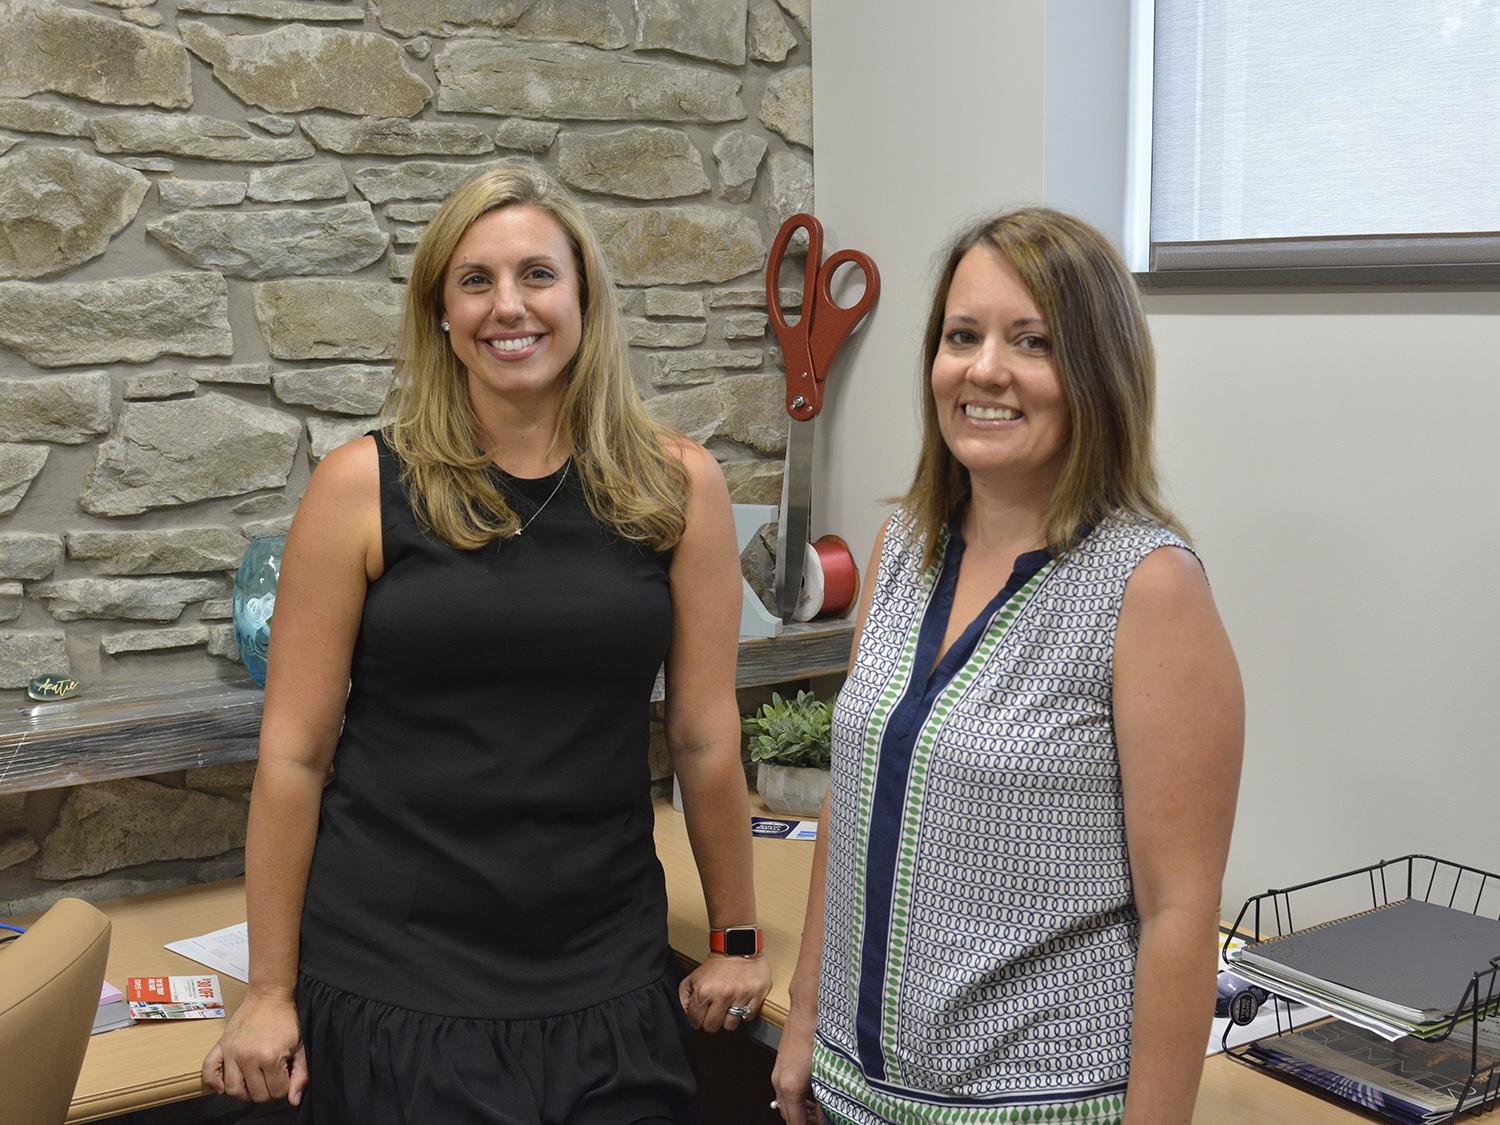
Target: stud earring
<point>445,326</point>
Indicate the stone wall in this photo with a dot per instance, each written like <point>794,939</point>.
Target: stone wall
<point>207,208</point>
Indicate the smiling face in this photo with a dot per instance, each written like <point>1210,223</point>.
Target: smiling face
<point>511,295</point>
<point>1000,403</point>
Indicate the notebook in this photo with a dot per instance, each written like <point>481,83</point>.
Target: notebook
<point>1410,960</point>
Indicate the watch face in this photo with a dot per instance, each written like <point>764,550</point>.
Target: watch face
<point>739,943</point>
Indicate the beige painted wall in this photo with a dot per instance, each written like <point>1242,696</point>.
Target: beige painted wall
<point>1330,450</point>
<point>906,106</point>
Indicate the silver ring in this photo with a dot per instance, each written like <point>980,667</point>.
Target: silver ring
<point>739,1012</point>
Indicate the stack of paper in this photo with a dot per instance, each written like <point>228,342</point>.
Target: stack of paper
<point>1409,1080</point>
<point>1397,970</point>
<point>114,1012</point>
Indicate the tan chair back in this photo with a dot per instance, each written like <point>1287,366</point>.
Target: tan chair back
<point>49,993</point>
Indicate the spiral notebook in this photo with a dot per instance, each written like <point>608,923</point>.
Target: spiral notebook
<point>1407,963</point>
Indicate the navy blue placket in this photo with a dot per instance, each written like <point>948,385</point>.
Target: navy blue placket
<point>888,803</point>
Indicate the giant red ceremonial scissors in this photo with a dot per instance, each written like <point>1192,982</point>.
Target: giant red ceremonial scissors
<point>808,349</point>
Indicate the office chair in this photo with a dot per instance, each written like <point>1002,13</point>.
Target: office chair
<point>49,991</point>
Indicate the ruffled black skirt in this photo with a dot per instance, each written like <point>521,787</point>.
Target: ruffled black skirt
<point>627,1061</point>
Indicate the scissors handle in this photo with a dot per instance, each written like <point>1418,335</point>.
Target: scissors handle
<point>802,384</point>
<point>833,323</point>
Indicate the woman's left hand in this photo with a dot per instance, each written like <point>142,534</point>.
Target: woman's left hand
<point>721,983</point>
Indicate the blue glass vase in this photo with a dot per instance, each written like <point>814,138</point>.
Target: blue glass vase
<point>254,600</point>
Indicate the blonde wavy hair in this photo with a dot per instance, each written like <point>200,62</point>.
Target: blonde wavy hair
<point>632,481</point>
<point>1102,350</point>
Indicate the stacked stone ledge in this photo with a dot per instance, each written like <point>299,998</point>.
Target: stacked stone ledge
<point>199,297</point>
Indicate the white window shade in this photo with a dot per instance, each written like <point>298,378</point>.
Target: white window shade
<point>1326,134</point>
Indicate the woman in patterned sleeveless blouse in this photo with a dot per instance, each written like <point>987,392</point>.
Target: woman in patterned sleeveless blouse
<point>468,924</point>
<point>1037,751</point>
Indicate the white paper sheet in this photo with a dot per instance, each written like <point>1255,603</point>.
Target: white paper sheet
<point>227,950</point>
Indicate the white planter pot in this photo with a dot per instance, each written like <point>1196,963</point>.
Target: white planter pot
<point>792,789</point>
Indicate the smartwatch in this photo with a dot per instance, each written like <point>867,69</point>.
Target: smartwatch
<point>737,941</point>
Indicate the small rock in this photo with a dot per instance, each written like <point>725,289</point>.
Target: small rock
<point>28,116</point>
<point>745,326</point>
<point>29,555</point>
<point>276,126</point>
<point>22,654</point>
<point>168,453</point>
<point>116,824</point>
<point>412,179</point>
<point>752,298</point>
<point>249,374</point>
<point>770,38</point>
<point>298,182</point>
<point>192,134</point>
<point>59,208</point>
<point>349,388</point>
<point>326,435</point>
<point>124,599</point>
<point>674,302</point>
<point>411,212</point>
<point>183,550</point>
<point>158,384</point>
<point>653,334</point>
<point>791,188</point>
<point>678,245</point>
<point>668,370</point>
<point>395,136</point>
<point>801,11</point>
<point>321,318</point>
<point>51,48</point>
<point>738,154</point>
<point>753,482</point>
<point>19,466</point>
<point>290,241</point>
<point>176,193</point>
<point>297,67</point>
<point>526,136</point>
<point>123,320</point>
<point>575,83</point>
<point>67,409</point>
<point>153,640</point>
<point>644,162</point>
<point>704,29</point>
<point>787,105</point>
<point>276,10</point>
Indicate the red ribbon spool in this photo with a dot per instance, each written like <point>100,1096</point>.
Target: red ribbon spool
<point>840,576</point>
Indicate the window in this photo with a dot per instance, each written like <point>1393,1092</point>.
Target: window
<point>1324,140</point>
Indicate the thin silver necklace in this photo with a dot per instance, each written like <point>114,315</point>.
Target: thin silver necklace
<point>567,467</point>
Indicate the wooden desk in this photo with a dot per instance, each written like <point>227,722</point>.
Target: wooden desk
<point>1231,1094</point>
<point>152,1064</point>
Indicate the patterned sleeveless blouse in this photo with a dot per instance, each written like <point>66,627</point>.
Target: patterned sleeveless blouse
<point>981,933</point>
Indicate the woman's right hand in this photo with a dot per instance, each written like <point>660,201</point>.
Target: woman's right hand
<point>259,1057</point>
<point>791,1077</point>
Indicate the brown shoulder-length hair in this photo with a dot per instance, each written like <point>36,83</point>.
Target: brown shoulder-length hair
<point>632,481</point>
<point>1102,350</point>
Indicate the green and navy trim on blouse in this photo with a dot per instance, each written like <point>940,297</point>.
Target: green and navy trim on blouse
<point>981,932</point>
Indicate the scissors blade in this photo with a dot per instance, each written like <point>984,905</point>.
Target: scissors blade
<point>794,528</point>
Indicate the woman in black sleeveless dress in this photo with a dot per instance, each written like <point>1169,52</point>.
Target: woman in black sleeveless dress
<point>469,923</point>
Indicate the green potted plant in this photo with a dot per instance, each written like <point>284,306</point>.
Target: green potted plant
<point>791,741</point>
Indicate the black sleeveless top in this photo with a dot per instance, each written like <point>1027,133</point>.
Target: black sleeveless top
<point>485,847</point>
